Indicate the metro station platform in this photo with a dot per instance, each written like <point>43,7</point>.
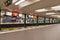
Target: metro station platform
<point>29,19</point>
<point>46,32</point>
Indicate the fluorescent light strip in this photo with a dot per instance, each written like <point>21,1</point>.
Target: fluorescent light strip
<point>56,16</point>
<point>50,13</point>
<point>13,1</point>
<point>41,10</point>
<point>56,8</point>
<point>19,2</point>
<point>26,3</point>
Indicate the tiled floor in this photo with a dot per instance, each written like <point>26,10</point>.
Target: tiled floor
<point>51,32</point>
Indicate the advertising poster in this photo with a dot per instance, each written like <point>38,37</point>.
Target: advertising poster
<point>47,20</point>
<point>41,20</point>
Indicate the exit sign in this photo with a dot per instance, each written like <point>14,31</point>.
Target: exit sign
<point>8,2</point>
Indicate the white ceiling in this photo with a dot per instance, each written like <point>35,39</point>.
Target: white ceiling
<point>42,4</point>
<point>34,6</point>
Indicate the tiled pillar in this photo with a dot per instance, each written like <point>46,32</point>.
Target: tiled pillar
<point>25,21</point>
<point>0,18</point>
<point>37,21</point>
<point>49,20</point>
<point>44,19</point>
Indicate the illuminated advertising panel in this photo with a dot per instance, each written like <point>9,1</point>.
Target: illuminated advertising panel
<point>9,13</point>
<point>31,19</point>
<point>47,20</point>
<point>51,20</point>
<point>21,15</point>
<point>41,20</point>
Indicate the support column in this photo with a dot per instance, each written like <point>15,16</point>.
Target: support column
<point>37,21</point>
<point>0,18</point>
<point>52,20</point>
<point>25,21</point>
<point>49,20</point>
<point>44,20</point>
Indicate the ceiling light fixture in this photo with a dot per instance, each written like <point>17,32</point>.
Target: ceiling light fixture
<point>27,2</point>
<point>41,10</point>
<point>17,3</point>
<point>56,16</point>
<point>50,13</point>
<point>13,1</point>
<point>56,8</point>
